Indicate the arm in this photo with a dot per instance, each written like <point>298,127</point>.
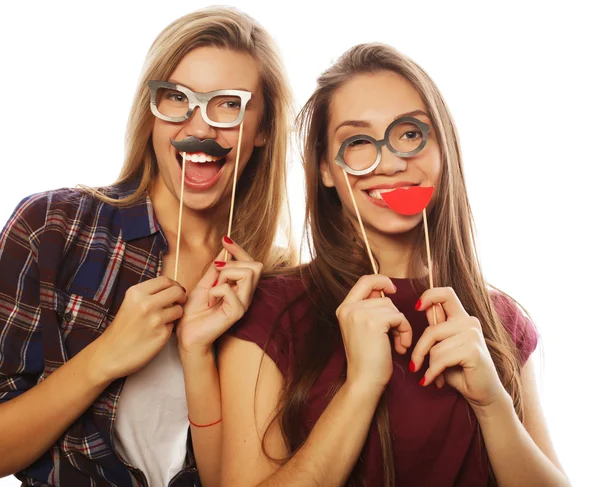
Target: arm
<point>141,328</point>
<point>251,387</point>
<point>219,300</point>
<point>521,455</point>
<point>46,411</point>
<point>43,411</point>
<point>332,448</point>
<point>203,396</point>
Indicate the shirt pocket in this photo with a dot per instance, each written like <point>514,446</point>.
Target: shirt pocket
<point>81,320</point>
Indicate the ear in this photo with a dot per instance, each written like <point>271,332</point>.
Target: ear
<point>260,140</point>
<point>326,175</point>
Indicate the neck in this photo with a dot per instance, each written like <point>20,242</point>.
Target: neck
<point>199,229</point>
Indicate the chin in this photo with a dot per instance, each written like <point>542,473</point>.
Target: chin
<point>396,225</point>
<point>203,202</point>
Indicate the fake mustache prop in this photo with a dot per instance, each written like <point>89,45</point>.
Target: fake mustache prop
<point>208,146</point>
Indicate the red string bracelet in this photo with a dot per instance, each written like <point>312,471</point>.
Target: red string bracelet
<point>203,425</point>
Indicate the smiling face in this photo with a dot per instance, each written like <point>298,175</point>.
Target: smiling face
<point>209,178</point>
<point>367,104</point>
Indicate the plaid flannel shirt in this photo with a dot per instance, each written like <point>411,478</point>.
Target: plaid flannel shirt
<point>66,260</point>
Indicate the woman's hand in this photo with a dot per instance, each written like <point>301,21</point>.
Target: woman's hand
<point>142,326</point>
<point>366,319</point>
<point>219,300</point>
<point>457,350</point>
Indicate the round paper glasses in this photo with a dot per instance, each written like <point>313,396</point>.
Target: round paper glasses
<point>361,154</point>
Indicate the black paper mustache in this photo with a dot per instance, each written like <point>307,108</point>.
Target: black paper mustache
<point>208,146</point>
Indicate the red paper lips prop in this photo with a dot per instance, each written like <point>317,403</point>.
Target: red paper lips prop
<point>408,201</point>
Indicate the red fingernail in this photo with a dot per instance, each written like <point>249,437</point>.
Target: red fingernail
<point>226,239</point>
<point>215,283</point>
<point>219,263</point>
<point>422,382</point>
<point>418,305</point>
<point>411,366</point>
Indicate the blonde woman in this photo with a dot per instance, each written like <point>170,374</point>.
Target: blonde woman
<point>98,385</point>
<point>360,389</point>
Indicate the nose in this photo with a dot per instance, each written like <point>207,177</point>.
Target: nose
<point>198,127</point>
<point>390,163</point>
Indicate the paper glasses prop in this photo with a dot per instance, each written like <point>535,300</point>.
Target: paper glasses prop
<point>361,154</point>
<point>221,109</point>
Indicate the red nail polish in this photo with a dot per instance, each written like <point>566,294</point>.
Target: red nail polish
<point>219,263</point>
<point>422,382</point>
<point>215,283</point>
<point>226,239</point>
<point>411,366</point>
<point>418,305</point>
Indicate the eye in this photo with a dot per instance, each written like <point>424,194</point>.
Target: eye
<point>412,135</point>
<point>357,143</point>
<point>176,96</point>
<point>232,104</point>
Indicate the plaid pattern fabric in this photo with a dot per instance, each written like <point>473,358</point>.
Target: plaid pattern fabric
<point>66,260</point>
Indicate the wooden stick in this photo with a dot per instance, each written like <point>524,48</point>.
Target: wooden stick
<point>362,228</point>
<point>429,260</point>
<point>235,173</point>
<point>180,217</point>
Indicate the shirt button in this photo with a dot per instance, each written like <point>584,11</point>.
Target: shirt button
<point>68,316</point>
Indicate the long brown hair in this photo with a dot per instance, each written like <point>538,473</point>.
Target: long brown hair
<point>339,259</point>
<point>261,199</point>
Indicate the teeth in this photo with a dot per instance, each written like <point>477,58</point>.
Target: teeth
<point>199,157</point>
<point>376,193</point>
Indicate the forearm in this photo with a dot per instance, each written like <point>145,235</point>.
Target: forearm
<point>32,422</point>
<point>203,396</point>
<point>515,458</point>
<point>334,445</point>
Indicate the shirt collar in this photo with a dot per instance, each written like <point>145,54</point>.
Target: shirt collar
<point>138,219</point>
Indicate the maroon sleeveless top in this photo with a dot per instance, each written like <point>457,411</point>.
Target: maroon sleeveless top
<point>435,434</point>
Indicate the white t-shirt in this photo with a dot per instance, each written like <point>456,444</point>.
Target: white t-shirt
<point>152,424</point>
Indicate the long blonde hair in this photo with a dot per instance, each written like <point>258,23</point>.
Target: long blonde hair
<point>338,258</point>
<point>261,199</point>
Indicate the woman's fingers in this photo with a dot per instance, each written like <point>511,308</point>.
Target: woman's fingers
<point>444,296</point>
<point>366,285</point>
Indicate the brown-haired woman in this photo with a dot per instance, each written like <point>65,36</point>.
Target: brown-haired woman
<point>87,296</point>
<point>360,389</point>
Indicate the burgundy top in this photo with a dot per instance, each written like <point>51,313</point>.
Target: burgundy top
<point>435,435</point>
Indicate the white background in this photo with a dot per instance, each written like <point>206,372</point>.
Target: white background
<point>521,80</point>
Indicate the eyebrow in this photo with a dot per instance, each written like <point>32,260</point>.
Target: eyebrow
<point>363,124</point>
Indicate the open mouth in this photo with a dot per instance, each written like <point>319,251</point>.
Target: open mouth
<point>201,167</point>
